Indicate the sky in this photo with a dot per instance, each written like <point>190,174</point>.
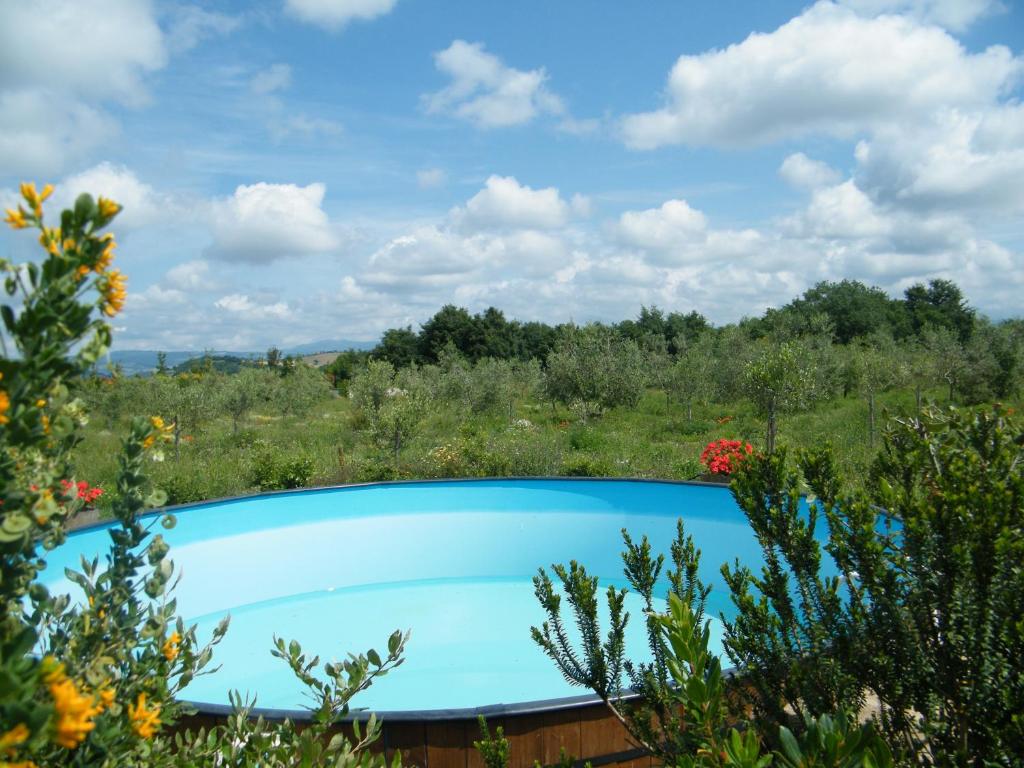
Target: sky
<point>294,170</point>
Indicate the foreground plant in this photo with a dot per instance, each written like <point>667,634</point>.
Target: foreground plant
<point>95,681</point>
<point>923,622</point>
<point>677,707</point>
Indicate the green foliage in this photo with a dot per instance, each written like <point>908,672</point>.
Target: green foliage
<point>782,379</point>
<point>677,707</point>
<point>924,619</point>
<point>95,682</point>
<point>271,470</point>
<point>592,369</point>
<point>493,750</point>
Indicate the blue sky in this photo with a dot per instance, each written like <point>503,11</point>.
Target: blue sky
<point>302,169</point>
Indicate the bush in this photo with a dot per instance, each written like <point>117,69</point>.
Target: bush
<point>97,682</point>
<point>926,620</point>
<point>269,470</point>
<point>585,466</point>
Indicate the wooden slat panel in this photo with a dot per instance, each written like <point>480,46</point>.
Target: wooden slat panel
<point>410,739</point>
<point>561,730</point>
<point>447,743</point>
<point>526,740</point>
<point>601,733</point>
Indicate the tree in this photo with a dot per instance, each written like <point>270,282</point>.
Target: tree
<point>593,368</point>
<point>302,388</point>
<point>690,375</point>
<point>398,346</point>
<point>880,370</point>
<point>161,363</point>
<point>241,392</point>
<point>370,386</point>
<point>947,355</point>
<point>450,324</point>
<point>940,305</point>
<point>273,357</point>
<point>854,310</point>
<point>780,380</point>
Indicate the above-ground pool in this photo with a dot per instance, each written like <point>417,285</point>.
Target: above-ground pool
<point>339,569</point>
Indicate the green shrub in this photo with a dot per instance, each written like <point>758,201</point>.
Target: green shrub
<point>269,470</point>
<point>926,621</point>
<point>585,466</point>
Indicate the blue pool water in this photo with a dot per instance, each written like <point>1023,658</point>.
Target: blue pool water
<point>340,569</point>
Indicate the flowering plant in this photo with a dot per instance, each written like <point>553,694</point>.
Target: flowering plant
<point>721,457</point>
<point>96,681</point>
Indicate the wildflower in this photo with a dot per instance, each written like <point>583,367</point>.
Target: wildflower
<point>171,649</point>
<point>144,721</point>
<point>108,208</point>
<point>16,218</point>
<point>106,698</point>
<point>5,405</point>
<point>106,256</point>
<point>49,238</point>
<point>15,737</point>
<point>74,711</point>
<point>45,421</point>
<point>114,293</point>
<point>40,403</point>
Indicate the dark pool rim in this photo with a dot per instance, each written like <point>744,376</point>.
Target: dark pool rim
<point>489,711</point>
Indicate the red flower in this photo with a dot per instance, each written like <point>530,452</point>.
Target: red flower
<point>720,457</point>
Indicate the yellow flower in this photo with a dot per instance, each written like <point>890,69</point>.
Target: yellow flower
<point>69,244</point>
<point>74,711</point>
<point>15,737</point>
<point>40,403</point>
<point>106,698</point>
<point>81,272</point>
<point>52,670</point>
<point>19,764</point>
<point>170,649</point>
<point>5,405</point>
<point>114,293</point>
<point>45,421</point>
<point>108,208</point>
<point>157,422</point>
<point>49,238</point>
<point>145,721</point>
<point>107,255</point>
<point>148,442</point>
<point>16,218</point>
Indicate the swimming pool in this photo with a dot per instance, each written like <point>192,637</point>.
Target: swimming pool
<point>340,568</point>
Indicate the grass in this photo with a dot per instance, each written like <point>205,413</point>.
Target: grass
<point>332,444</point>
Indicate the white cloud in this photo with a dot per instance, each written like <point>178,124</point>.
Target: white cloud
<point>799,170</point>
<point>59,60</point>
<point>304,126</point>
<point>672,226</point>
<point>488,93</point>
<point>956,15</point>
<point>505,203</point>
<point>263,222</point>
<point>142,205</point>
<point>189,25</point>
<point>43,131</point>
<point>277,77</point>
<point>114,43</point>
<point>959,162</point>
<point>189,276</point>
<point>827,71</point>
<point>241,304</point>
<point>335,14</point>
<point>429,178</point>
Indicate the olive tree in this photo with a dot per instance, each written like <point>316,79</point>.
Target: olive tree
<point>593,368</point>
<point>780,380</point>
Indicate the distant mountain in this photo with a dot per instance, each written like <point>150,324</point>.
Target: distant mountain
<point>136,361</point>
<point>328,345</point>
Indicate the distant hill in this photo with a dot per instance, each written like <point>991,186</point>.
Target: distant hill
<point>329,345</point>
<point>136,361</point>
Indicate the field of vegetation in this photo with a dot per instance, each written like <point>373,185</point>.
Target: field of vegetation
<point>476,396</point>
